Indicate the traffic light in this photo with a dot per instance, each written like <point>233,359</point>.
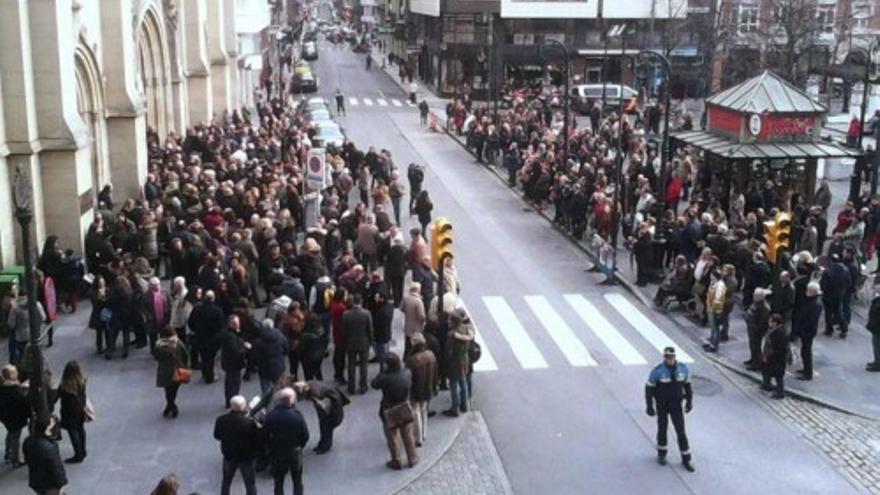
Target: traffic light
<point>441,241</point>
<point>778,235</point>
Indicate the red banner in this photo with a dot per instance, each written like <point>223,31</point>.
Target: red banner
<point>777,126</point>
<point>724,120</point>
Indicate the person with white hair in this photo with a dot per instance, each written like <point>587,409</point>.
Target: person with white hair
<point>287,434</point>
<point>805,325</point>
<point>757,320</point>
<point>206,321</point>
<point>156,310</point>
<point>238,434</point>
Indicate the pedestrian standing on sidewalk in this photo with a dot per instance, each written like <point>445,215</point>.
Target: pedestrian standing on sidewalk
<point>46,473</point>
<point>775,358</point>
<point>238,435</point>
<point>873,326</point>
<point>414,315</point>
<point>458,343</point>
<point>288,434</point>
<point>396,190</point>
<point>835,282</point>
<point>171,355</point>
<point>423,365</point>
<point>72,395</point>
<point>805,325</point>
<point>395,411</point>
<point>717,300</point>
<point>757,320</point>
<point>415,174</point>
<point>233,357</point>
<point>424,206</point>
<point>669,383</point>
<point>14,413</point>
<point>423,112</point>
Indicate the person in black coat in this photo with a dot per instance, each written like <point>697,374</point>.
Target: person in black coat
<point>268,354</point>
<point>395,382</point>
<point>357,327</point>
<point>238,435</point>
<point>759,275</point>
<point>383,315</point>
<point>72,395</point>
<point>835,282</point>
<point>512,162</point>
<point>312,346</point>
<point>287,434</point>
<point>233,356</point>
<point>873,326</point>
<point>122,315</point>
<point>775,358</point>
<point>805,325</point>
<point>395,268</point>
<point>206,322</point>
<point>45,470</point>
<point>14,412</point>
<point>643,250</point>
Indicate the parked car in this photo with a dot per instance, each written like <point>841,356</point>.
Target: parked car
<point>585,94</point>
<point>308,104</point>
<point>328,133</point>
<point>302,67</point>
<point>304,83</point>
<point>320,114</point>
<point>310,51</point>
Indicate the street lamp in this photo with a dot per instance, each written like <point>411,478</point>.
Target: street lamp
<point>22,201</point>
<point>561,45</point>
<point>647,60</point>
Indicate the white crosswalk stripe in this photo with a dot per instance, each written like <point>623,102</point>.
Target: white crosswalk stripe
<point>368,102</point>
<point>353,101</point>
<point>523,346</point>
<point>382,102</point>
<point>396,102</point>
<point>560,332</point>
<point>613,340</point>
<point>486,362</point>
<point>409,103</point>
<point>645,326</point>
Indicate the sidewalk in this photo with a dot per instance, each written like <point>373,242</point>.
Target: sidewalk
<point>840,380</point>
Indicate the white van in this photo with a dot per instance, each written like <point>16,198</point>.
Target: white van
<point>584,93</point>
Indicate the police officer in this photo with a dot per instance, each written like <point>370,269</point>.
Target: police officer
<point>669,383</point>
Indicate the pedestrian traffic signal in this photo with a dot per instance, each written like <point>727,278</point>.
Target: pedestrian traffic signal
<point>778,235</point>
<point>441,241</point>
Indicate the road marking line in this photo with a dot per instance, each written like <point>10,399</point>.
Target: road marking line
<point>368,102</point>
<point>560,332</point>
<point>486,362</point>
<point>613,340</point>
<point>645,326</point>
<point>523,347</point>
<point>396,102</point>
<point>353,101</point>
<point>382,102</point>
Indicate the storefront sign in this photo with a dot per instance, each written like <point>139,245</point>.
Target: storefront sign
<point>755,124</point>
<point>425,7</point>
<point>779,127</point>
<point>726,121</point>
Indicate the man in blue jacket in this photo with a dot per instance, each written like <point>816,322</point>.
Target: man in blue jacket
<point>668,384</point>
<point>288,434</point>
<point>268,354</point>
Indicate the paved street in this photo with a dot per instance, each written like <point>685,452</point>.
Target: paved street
<point>564,348</point>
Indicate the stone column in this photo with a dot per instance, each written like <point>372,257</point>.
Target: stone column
<point>125,105</point>
<point>196,66</point>
<point>7,221</point>
<point>22,140</point>
<point>231,40</point>
<point>65,157</point>
<point>217,55</point>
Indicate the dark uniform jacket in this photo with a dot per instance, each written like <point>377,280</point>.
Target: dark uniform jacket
<point>668,385</point>
<point>238,436</point>
<point>45,470</point>
<point>287,431</point>
<point>233,355</point>
<point>357,327</point>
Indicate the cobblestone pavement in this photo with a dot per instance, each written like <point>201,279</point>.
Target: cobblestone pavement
<point>851,443</point>
<point>471,465</point>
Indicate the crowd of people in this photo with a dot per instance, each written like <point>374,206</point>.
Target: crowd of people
<point>698,235</point>
<point>216,257</point>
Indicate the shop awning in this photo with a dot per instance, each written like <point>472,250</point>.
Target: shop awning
<point>728,148</point>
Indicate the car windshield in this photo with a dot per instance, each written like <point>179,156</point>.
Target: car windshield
<point>319,114</point>
<point>329,131</point>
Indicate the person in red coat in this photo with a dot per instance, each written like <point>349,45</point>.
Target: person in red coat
<point>337,309</point>
<point>673,192</point>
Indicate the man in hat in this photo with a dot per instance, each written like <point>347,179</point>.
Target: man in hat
<point>668,384</point>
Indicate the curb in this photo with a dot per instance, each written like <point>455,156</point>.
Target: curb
<point>425,467</point>
<point>797,394</point>
<point>494,460</point>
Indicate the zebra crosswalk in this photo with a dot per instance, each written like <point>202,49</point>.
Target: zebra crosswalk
<point>586,332</point>
<point>382,101</point>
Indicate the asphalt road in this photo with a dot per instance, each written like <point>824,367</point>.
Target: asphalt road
<point>561,386</point>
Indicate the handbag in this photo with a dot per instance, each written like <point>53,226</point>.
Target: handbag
<point>105,315</point>
<point>397,416</point>
<point>181,375</point>
<point>89,411</point>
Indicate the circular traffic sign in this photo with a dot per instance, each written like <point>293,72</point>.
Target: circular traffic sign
<point>315,164</point>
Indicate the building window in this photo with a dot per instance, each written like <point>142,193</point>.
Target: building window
<point>747,18</point>
<point>825,17</point>
<point>862,12</point>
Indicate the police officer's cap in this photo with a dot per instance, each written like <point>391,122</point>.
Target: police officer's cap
<point>669,352</point>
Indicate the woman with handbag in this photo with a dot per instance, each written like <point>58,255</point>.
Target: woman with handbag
<point>395,411</point>
<point>75,409</point>
<point>100,316</point>
<point>172,370</point>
